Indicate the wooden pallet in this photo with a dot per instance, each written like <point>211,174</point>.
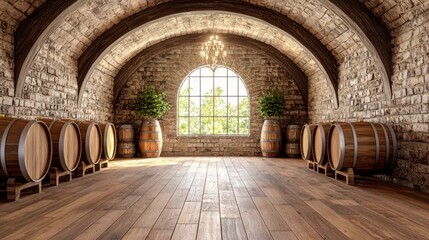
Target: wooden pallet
<point>326,169</point>
<point>55,175</point>
<point>311,165</point>
<point>348,174</point>
<point>102,164</point>
<point>14,188</point>
<point>81,169</point>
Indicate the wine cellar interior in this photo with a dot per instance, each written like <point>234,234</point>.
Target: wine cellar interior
<point>226,119</point>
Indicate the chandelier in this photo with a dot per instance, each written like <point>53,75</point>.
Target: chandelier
<point>212,52</point>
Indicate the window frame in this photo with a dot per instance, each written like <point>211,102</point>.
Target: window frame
<point>213,116</point>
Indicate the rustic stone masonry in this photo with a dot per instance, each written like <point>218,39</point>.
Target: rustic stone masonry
<point>167,72</point>
<point>361,98</point>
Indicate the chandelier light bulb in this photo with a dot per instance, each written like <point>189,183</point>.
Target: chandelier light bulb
<point>212,52</point>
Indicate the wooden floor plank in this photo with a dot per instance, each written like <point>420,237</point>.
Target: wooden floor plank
<point>209,227</point>
<point>216,198</point>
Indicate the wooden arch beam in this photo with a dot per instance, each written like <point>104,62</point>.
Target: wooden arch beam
<point>124,75</point>
<point>373,33</point>
<point>34,31</point>
<point>100,47</point>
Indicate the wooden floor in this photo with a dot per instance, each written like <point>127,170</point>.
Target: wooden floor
<point>216,198</point>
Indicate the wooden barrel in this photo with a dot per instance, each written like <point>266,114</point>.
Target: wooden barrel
<point>91,142</point>
<point>320,136</point>
<point>109,141</point>
<point>125,133</point>
<point>126,149</point>
<point>66,143</point>
<point>293,133</point>
<point>292,150</point>
<point>150,139</point>
<point>306,142</point>
<point>365,147</point>
<point>271,138</point>
<point>25,149</point>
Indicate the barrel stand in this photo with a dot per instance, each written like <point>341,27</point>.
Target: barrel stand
<point>311,165</point>
<point>81,169</point>
<point>102,164</point>
<point>14,188</point>
<point>55,175</point>
<point>326,169</point>
<point>348,174</point>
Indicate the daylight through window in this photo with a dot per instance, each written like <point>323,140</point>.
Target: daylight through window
<point>213,103</point>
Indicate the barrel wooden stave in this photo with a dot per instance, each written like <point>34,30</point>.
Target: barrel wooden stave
<point>25,150</point>
<point>125,133</point>
<point>108,131</point>
<point>319,146</point>
<point>91,142</point>
<point>66,143</point>
<point>271,138</point>
<point>364,147</point>
<point>292,150</point>
<point>293,133</point>
<point>126,149</point>
<point>306,142</point>
<point>150,139</point>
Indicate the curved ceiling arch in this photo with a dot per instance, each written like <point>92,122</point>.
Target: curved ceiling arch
<point>101,46</point>
<point>297,10</point>
<point>205,22</point>
<point>126,72</point>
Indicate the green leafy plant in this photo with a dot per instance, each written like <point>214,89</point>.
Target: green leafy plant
<point>151,103</point>
<point>271,104</point>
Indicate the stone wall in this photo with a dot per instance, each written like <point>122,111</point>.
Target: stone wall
<point>168,70</point>
<point>361,97</point>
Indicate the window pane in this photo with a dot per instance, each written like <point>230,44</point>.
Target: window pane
<point>207,86</point>
<point>220,106</point>
<point>243,106</point>
<point>184,90</point>
<point>233,86</point>
<point>195,73</point>
<point>242,89</point>
<point>206,125</point>
<point>232,125</point>
<point>206,72</point>
<point>183,106</point>
<point>194,125</point>
<point>220,125</point>
<point>232,106</point>
<point>207,106</point>
<point>221,72</point>
<point>244,126</point>
<point>194,109</point>
<point>221,86</point>
<point>195,86</point>
<point>183,125</point>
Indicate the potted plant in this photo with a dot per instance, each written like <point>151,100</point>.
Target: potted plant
<point>150,105</point>
<point>271,105</point>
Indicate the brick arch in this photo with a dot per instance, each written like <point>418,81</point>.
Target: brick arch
<point>304,13</point>
<point>207,22</point>
<point>134,63</point>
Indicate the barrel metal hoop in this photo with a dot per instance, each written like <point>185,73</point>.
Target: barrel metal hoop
<point>355,145</point>
<point>342,146</point>
<point>21,151</point>
<point>3,148</point>
<point>150,151</point>
<point>377,145</point>
<point>322,132</point>
<point>310,143</point>
<point>395,146</point>
<point>386,136</point>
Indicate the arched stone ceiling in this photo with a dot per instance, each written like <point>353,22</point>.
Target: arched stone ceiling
<point>94,17</point>
<point>133,64</point>
<point>205,22</point>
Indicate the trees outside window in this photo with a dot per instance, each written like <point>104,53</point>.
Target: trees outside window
<point>213,103</point>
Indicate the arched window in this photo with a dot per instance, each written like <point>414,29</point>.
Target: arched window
<point>213,103</point>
